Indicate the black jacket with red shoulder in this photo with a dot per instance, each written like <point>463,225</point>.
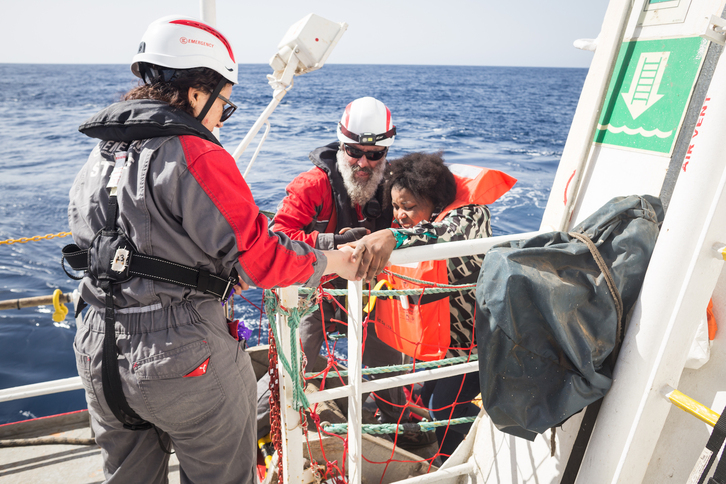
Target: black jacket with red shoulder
<point>317,205</point>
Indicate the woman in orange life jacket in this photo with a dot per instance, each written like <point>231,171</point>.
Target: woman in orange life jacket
<point>423,193</point>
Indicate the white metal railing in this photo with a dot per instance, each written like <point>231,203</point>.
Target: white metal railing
<point>43,388</point>
<point>292,441</point>
<point>454,249</point>
<point>395,381</point>
<point>292,444</point>
<point>48,387</point>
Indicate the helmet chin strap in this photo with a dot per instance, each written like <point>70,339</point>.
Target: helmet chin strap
<point>212,99</point>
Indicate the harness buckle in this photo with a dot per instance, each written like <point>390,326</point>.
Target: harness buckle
<point>120,260</point>
<point>228,290</point>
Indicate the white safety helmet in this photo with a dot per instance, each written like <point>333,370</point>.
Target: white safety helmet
<point>184,43</point>
<point>367,121</point>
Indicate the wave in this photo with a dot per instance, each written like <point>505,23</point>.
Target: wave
<point>632,132</point>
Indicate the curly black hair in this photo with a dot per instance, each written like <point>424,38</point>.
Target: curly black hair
<point>174,91</point>
<point>424,175</point>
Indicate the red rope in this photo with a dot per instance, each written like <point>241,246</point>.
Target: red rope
<point>275,420</point>
<point>335,470</point>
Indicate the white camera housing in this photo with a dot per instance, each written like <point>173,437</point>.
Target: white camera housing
<point>311,40</point>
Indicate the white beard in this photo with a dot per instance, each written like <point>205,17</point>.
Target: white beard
<point>359,192</point>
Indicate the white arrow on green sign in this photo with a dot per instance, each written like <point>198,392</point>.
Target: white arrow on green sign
<point>649,93</point>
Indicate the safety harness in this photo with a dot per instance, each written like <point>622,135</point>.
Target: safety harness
<point>112,259</point>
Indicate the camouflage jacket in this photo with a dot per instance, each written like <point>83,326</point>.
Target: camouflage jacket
<point>467,222</point>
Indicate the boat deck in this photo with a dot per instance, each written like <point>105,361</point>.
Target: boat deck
<point>82,464</point>
<point>54,463</point>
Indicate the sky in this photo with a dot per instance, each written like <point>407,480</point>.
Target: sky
<point>423,32</point>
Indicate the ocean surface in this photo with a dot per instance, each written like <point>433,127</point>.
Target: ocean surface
<point>512,119</point>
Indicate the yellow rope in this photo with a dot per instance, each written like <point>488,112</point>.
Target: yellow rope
<point>23,240</point>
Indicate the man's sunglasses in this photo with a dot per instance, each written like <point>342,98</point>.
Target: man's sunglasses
<point>370,155</point>
<point>228,110</point>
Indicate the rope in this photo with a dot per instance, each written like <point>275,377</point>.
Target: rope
<point>294,315</point>
<point>36,238</point>
<point>380,429</point>
<point>46,441</point>
<point>275,419</point>
<point>291,364</point>
<point>606,274</point>
<point>430,288</point>
<point>410,366</point>
<point>426,283</point>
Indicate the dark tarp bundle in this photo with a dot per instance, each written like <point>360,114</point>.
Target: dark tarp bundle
<point>546,321</point>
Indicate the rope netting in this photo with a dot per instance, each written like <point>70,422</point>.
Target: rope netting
<point>295,362</point>
<point>419,422</point>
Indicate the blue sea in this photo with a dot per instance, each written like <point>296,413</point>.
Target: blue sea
<point>513,119</point>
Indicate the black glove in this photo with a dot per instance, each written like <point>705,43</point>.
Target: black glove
<point>349,236</point>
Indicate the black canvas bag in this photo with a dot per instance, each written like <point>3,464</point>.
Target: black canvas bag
<point>547,322</point>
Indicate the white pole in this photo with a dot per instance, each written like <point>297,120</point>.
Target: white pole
<point>257,151</point>
<point>395,381</point>
<point>257,126</point>
<point>208,12</point>
<point>43,388</point>
<point>292,466</point>
<point>282,86</point>
<point>355,361</point>
<point>454,249</point>
<point>582,131</point>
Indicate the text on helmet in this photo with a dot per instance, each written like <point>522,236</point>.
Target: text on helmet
<point>185,40</point>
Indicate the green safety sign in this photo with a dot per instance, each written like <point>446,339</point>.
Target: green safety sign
<point>649,92</point>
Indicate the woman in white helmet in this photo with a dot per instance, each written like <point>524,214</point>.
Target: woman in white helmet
<point>164,226</point>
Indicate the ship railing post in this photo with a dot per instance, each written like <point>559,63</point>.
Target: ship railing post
<point>292,438</point>
<point>355,359</point>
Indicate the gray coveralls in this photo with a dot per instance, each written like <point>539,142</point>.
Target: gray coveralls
<point>181,198</point>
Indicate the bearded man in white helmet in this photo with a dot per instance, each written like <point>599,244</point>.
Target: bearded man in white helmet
<point>335,202</point>
<point>338,201</point>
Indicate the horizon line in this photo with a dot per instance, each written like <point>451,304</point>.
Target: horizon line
<point>327,64</point>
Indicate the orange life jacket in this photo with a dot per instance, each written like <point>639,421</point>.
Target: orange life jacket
<point>412,324</point>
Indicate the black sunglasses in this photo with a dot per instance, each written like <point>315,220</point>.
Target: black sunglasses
<point>370,155</point>
<point>228,110</point>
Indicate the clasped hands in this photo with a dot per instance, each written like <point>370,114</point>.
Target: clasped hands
<point>370,253</point>
<point>360,255</point>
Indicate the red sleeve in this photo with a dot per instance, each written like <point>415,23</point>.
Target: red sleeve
<point>267,259</point>
<point>309,199</point>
